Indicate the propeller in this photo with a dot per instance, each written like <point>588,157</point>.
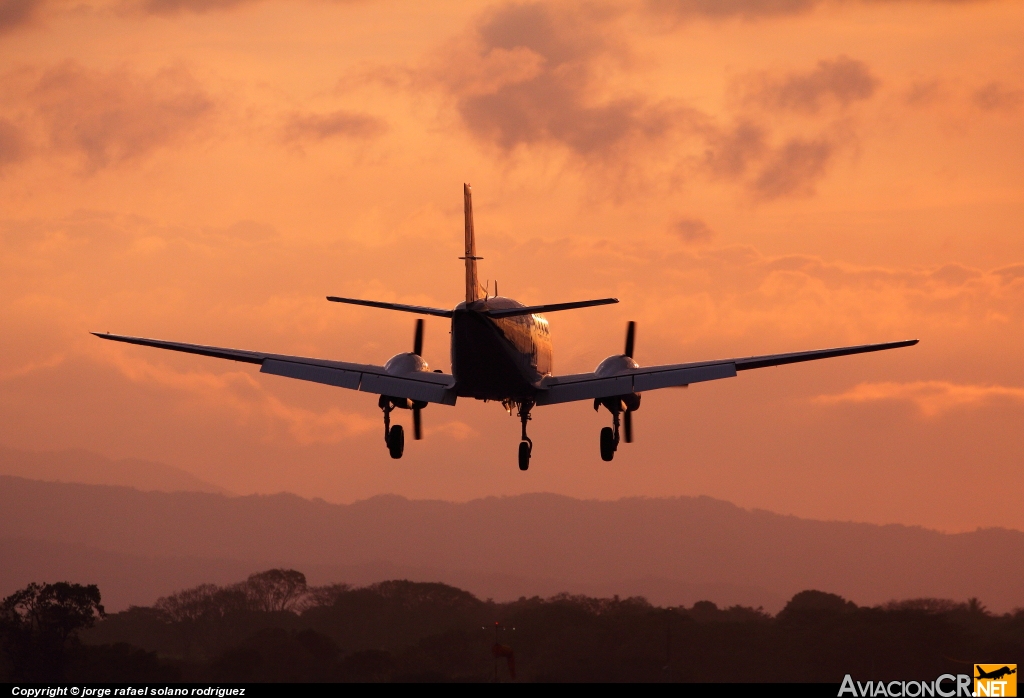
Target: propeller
<point>417,349</point>
<point>627,418</point>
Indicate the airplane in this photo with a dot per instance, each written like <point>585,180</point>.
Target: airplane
<point>995,674</point>
<point>501,351</point>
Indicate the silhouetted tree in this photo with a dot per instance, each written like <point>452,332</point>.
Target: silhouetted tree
<point>275,590</point>
<point>40,621</point>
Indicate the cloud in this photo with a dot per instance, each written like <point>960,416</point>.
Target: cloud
<point>173,7</point>
<point>931,398</point>
<point>17,13</point>
<point>841,81</point>
<point>526,75</point>
<point>923,93</point>
<point>692,231</point>
<point>247,399</point>
<point>729,152</point>
<point>996,97</point>
<point>748,9</point>
<point>13,146</point>
<point>117,116</point>
<point>459,431</point>
<point>538,74</point>
<point>338,123</point>
<point>793,168</point>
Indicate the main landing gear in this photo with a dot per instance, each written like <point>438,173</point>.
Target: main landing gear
<point>394,436</point>
<point>621,405</point>
<point>526,445</point>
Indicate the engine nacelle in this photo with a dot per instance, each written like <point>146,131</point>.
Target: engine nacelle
<point>614,365</point>
<point>404,363</point>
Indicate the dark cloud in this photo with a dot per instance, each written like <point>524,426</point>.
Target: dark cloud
<point>729,152</point>
<point>923,93</point>
<point>996,97</point>
<point>749,9</point>
<point>537,74</point>
<point>16,13</point>
<point>560,39</point>
<point>551,108</point>
<point>172,7</point>
<point>692,231</point>
<point>752,9</point>
<point>13,146</point>
<point>339,123</point>
<point>112,117</point>
<point>793,168</point>
<point>841,81</point>
<point>541,83</point>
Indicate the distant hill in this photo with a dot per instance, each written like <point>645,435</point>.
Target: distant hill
<point>76,465</point>
<point>675,551</point>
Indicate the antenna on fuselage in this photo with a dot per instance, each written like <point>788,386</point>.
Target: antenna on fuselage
<point>472,283</point>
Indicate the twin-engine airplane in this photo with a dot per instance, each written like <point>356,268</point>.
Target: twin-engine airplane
<point>501,351</point>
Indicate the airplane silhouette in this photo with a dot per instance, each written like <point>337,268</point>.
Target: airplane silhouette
<point>994,674</point>
<point>500,350</point>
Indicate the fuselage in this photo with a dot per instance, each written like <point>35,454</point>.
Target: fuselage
<point>498,358</point>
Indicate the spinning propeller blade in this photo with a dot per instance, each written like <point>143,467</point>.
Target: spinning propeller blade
<point>417,349</point>
<point>417,342</point>
<point>627,418</point>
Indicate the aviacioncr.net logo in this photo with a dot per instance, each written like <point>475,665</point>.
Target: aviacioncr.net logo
<point>946,686</point>
<point>995,680</point>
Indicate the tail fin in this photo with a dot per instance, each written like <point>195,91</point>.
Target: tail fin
<point>472,283</point>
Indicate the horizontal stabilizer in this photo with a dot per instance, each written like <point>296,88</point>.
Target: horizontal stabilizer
<point>440,312</point>
<point>549,308</point>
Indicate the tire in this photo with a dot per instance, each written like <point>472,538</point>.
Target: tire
<point>607,444</point>
<point>524,455</point>
<point>396,441</point>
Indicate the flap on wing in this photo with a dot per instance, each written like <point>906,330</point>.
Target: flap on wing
<point>428,387</point>
<point>316,374</point>
<point>682,376</point>
<point>587,386</point>
<point>401,386</point>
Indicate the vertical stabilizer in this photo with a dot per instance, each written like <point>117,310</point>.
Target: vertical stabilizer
<point>472,284</point>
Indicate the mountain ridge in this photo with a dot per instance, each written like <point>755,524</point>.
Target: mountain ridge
<point>575,544</point>
<point>85,467</point>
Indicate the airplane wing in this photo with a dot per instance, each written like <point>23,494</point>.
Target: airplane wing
<point>587,386</point>
<point>420,385</point>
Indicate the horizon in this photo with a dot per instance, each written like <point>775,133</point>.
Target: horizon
<point>313,498</point>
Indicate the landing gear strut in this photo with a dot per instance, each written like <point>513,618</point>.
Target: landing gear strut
<point>623,405</point>
<point>526,445</point>
<point>394,436</point>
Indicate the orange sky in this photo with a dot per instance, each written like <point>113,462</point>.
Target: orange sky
<point>746,176</point>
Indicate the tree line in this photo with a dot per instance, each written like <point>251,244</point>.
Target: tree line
<point>275,627</point>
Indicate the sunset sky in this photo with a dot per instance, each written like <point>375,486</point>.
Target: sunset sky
<point>746,176</point>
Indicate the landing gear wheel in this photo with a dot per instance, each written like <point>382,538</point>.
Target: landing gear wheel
<point>396,441</point>
<point>607,444</point>
<point>524,455</point>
